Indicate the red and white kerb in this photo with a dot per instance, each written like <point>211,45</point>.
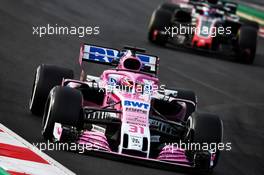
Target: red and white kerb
<point>19,157</point>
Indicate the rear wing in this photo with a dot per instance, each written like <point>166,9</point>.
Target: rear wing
<point>111,57</point>
<point>231,6</point>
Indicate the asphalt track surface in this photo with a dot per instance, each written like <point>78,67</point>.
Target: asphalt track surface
<point>232,90</point>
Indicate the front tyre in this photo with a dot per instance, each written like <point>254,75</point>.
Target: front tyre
<point>64,105</point>
<point>205,129</point>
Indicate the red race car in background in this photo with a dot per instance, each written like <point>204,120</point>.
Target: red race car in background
<point>209,25</point>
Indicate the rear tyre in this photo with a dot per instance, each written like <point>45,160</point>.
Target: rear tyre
<point>159,20</point>
<point>251,24</point>
<point>169,6</point>
<point>64,105</point>
<point>205,128</point>
<point>247,44</point>
<point>46,77</point>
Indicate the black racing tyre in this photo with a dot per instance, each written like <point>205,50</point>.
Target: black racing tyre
<point>46,77</point>
<point>206,128</point>
<point>251,24</point>
<point>159,20</point>
<point>169,6</point>
<point>247,44</point>
<point>64,105</point>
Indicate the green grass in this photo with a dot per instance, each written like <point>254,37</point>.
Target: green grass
<point>251,11</point>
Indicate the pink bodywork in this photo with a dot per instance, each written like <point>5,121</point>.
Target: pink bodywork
<point>135,120</point>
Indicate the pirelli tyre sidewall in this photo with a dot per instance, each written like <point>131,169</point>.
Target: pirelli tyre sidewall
<point>64,106</point>
<point>46,77</point>
<point>205,128</point>
<point>159,20</point>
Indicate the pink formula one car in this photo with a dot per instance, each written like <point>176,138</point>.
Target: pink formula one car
<point>125,112</point>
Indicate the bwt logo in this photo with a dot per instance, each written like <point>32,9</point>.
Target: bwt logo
<point>136,104</point>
